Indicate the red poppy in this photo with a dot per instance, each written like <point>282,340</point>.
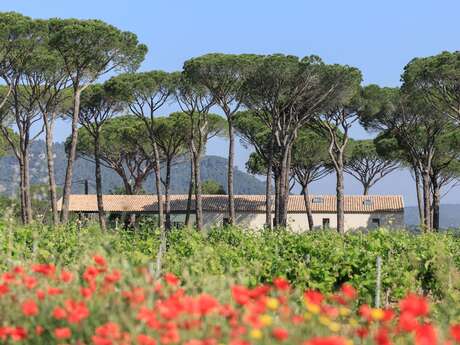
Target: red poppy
<point>281,284</point>
<point>313,297</point>
<point>171,279</point>
<point>30,282</point>
<point>39,330</point>
<point>455,332</point>
<point>62,333</point>
<point>425,335</point>
<point>407,322</point>
<point>143,339</point>
<point>349,291</point>
<point>381,337</point>
<point>240,294</point>
<point>280,334</point>
<point>59,313</point>
<point>18,333</point>
<point>4,289</point>
<point>66,276</point>
<point>29,308</point>
<point>415,305</point>
<point>45,269</point>
<point>76,311</point>
<point>99,260</point>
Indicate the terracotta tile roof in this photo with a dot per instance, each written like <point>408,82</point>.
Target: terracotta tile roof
<point>243,203</point>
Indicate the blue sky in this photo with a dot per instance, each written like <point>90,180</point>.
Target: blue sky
<point>379,37</point>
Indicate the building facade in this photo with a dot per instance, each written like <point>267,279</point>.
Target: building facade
<point>361,211</point>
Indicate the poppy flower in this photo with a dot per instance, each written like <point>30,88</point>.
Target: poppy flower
<point>280,334</point>
<point>425,335</point>
<point>349,291</point>
<point>455,332</point>
<point>29,308</point>
<point>414,305</point>
<point>4,289</point>
<point>59,313</point>
<point>313,297</point>
<point>281,284</point>
<point>171,279</point>
<point>99,260</point>
<point>143,339</point>
<point>66,276</point>
<point>62,333</point>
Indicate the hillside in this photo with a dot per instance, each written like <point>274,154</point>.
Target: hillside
<point>212,167</point>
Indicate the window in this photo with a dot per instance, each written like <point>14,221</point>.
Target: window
<point>326,223</point>
<point>375,222</point>
<point>226,221</point>
<point>367,202</point>
<point>317,200</point>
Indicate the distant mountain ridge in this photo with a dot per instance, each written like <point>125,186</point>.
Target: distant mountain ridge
<point>212,167</point>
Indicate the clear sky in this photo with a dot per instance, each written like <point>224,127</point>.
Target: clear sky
<point>379,37</point>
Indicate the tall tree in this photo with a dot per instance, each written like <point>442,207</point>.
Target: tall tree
<point>171,136</point>
<point>89,49</point>
<point>310,163</point>
<point>44,76</point>
<point>121,150</point>
<point>438,79</point>
<point>335,122</point>
<point>215,127</point>
<point>144,94</point>
<point>19,36</point>
<point>195,100</point>
<point>416,125</point>
<point>21,111</point>
<point>98,105</point>
<point>366,165</point>
<point>224,75</point>
<point>253,132</point>
<point>20,39</point>
<point>286,92</point>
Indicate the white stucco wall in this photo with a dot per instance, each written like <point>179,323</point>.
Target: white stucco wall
<point>298,221</point>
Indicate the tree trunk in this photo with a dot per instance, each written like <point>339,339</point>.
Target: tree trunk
<point>167,196</point>
<point>340,197</point>
<point>157,170</point>
<point>426,200</point>
<point>287,189</point>
<point>419,195</point>
<point>231,159</point>
<point>22,189</point>
<point>436,202</point>
<point>198,200</point>
<point>27,196</point>
<point>100,203</point>
<point>306,199</point>
<point>277,197</point>
<point>190,192</point>
<point>284,187</point>
<point>71,159</point>
<point>365,189</point>
<point>268,188</point>
<point>49,128</point>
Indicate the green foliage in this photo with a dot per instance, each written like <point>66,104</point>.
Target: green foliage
<point>212,187</point>
<point>323,259</point>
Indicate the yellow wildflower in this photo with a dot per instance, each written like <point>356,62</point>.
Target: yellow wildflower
<point>272,303</point>
<point>255,334</point>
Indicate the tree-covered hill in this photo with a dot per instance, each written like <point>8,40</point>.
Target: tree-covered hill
<point>212,168</point>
